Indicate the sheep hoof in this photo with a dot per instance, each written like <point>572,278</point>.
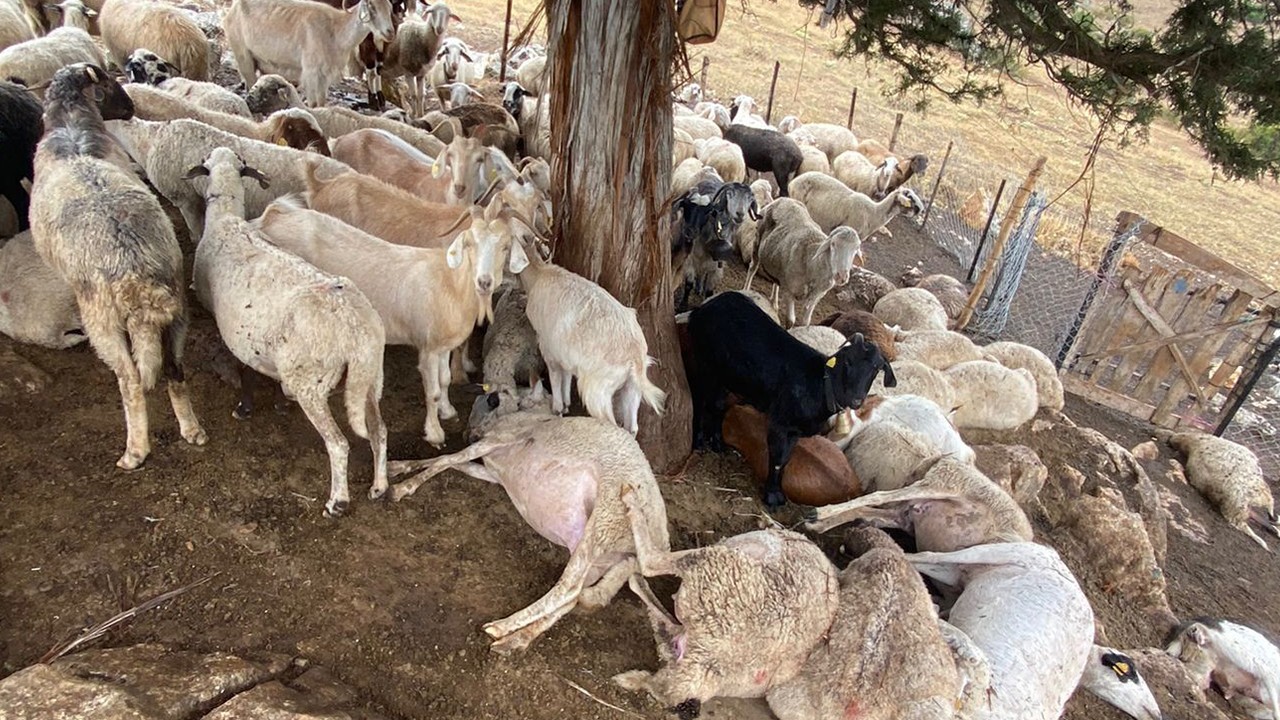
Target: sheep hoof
<point>688,710</point>
<point>335,508</point>
<point>632,679</point>
<point>242,411</point>
<point>196,437</point>
<point>131,460</point>
<point>774,499</point>
<point>376,493</point>
<point>509,644</point>
<point>434,438</point>
<point>448,413</point>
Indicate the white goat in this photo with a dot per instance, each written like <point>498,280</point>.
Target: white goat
<point>285,319</point>
<point>303,39</point>
<point>794,253</point>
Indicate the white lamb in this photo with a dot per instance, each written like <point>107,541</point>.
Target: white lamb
<point>991,396</point>
<point>1017,355</point>
<point>911,309</point>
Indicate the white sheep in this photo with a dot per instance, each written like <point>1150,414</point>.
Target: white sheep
<point>511,347</point>
<point>953,294</point>
<point>307,40</point>
<point>36,304</point>
<point>831,204</point>
<point>696,126</point>
<point>861,175</point>
<point>533,114</point>
<point>830,139</point>
<point>294,127</point>
<point>911,309</point>
<point>531,72</point>
<point>127,25</point>
<point>584,332</point>
<point>885,456</point>
<point>1230,478</point>
<point>444,72</point>
<point>430,299</point>
<point>289,321</point>
<point>14,27</point>
<point>745,236</point>
<point>34,62</point>
<point>814,160</point>
<point>803,261</point>
<point>939,349</point>
<point>167,150</point>
<point>566,478</point>
<point>1037,645</point>
<point>688,174</point>
<point>1239,660</point>
<point>991,396</point>
<point>1016,355</point>
<point>105,234</point>
<point>1113,676</point>
<point>916,378</point>
<point>74,14</point>
<point>724,156</point>
<point>210,96</point>
<point>682,147</point>
<point>819,337</point>
<point>918,413</point>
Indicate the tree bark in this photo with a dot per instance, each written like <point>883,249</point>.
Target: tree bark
<point>610,63</point>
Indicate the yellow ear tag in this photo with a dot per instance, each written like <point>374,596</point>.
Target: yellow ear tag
<point>282,141</point>
<point>436,169</point>
<point>831,361</point>
<point>486,387</point>
<point>1121,668</point>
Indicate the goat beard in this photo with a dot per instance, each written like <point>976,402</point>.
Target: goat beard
<point>486,308</point>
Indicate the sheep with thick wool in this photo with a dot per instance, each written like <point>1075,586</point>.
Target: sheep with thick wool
<point>1016,355</point>
<point>793,252</point>
<point>1228,475</point>
<point>127,25</point>
<point>911,309</point>
<point>991,396</point>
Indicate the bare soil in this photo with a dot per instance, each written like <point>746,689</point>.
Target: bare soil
<point>391,596</point>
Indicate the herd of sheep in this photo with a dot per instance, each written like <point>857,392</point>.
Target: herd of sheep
<point>323,235</point>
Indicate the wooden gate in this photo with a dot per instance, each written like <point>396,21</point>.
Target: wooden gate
<point>1168,336</point>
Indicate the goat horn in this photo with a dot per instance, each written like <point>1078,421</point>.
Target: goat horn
<point>487,196</point>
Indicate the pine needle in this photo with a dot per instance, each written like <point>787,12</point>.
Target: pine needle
<point>609,705</point>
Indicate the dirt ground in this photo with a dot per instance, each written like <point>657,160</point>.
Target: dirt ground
<point>391,596</point>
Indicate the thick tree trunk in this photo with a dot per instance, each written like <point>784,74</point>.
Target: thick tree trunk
<point>610,63</point>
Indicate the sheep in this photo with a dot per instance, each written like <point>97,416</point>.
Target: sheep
<point>510,347</point>
<point>444,72</point>
<point>745,236</point>
<point>991,396</point>
<point>36,305</point>
<point>698,128</point>
<point>708,214</point>
<point>584,332</point>
<point>832,139</point>
<point>289,321</point>
<point>1172,684</point>
<point>855,322</point>
<point>814,161</point>
<point>533,114</point>
<point>1015,468</point>
<point>878,154</point>
<point>338,121</point>
<point>271,93</point>
<point>886,654</point>
<point>823,339</point>
<point>918,413</point>
<point>1239,660</point>
<point>738,348</point>
<point>911,309</point>
<point>21,126</point>
<point>831,204</point>
<point>34,62</point>
<point>167,150</point>
<point>1113,676</point>
<point>531,74</point>
<point>428,298</point>
<point>127,25</point>
<point>939,349</point>
<point>1016,355</point>
<point>724,156</point>
<point>413,52</point>
<point>799,257</point>
<point>859,174</point>
<point>1037,646</point>
<point>751,608</point>
<point>885,455</point>
<point>766,150</point>
<point>688,174</point>
<point>452,178</point>
<point>294,127</point>
<point>1228,475</point>
<point>108,238</point>
<point>916,378</point>
<point>682,147</point>
<point>566,477</point>
<point>309,39</point>
<point>146,67</point>
<point>74,14</point>
<point>14,27</point>
<point>952,293</point>
<point>865,288</point>
<point>817,473</point>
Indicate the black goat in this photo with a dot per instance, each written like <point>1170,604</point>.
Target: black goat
<point>737,348</point>
<point>21,126</point>
<point>767,150</point>
<point>707,215</point>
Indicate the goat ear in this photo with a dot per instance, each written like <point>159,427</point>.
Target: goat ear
<point>440,165</point>
<point>196,172</point>
<point>453,256</point>
<point>249,172</point>
<point>919,164</point>
<point>890,380</point>
<point>519,260</point>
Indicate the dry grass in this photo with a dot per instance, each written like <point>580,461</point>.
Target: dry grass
<point>1165,179</point>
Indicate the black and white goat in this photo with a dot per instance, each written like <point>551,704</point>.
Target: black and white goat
<point>740,349</point>
<point>707,215</point>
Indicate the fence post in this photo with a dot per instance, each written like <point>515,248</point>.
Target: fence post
<point>702,79</point>
<point>853,103</point>
<point>768,114</point>
<point>1106,268</point>
<point>1015,211</point>
<point>506,37</point>
<point>936,182</point>
<point>897,125</point>
<point>986,230</point>
<point>1241,394</point>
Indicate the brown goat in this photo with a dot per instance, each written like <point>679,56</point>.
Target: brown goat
<point>817,474</point>
<point>385,211</point>
<point>877,152</point>
<point>852,322</point>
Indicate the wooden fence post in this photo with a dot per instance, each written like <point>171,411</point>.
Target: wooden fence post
<point>1006,227</point>
<point>853,103</point>
<point>772,86</point>
<point>897,125</point>
<point>702,80</point>
<point>982,239</point>
<point>506,38</point>
<point>936,182</point>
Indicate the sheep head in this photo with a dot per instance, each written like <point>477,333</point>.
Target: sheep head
<point>843,246</point>
<point>1113,676</point>
<point>513,95</point>
<point>146,68</point>
<point>908,202</point>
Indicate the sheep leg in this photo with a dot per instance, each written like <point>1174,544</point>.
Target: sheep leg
<point>971,664</point>
<point>429,368</point>
<point>246,67</point>
<point>112,346</point>
<point>316,407</point>
<point>751,269</point>
<point>599,594</point>
<point>781,443</point>
<point>405,488</point>
<point>248,379</point>
<point>824,518</point>
<point>559,600</point>
<point>1243,526</point>
<point>447,411</point>
<point>377,430</point>
<point>948,567</point>
<point>666,629</point>
<point>810,305</point>
<point>173,338</point>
